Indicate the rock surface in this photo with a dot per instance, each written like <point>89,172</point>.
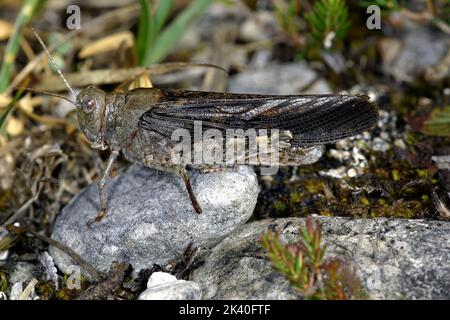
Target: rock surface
<point>164,286</point>
<point>22,272</point>
<point>394,259</point>
<point>287,78</point>
<point>422,47</point>
<point>150,217</point>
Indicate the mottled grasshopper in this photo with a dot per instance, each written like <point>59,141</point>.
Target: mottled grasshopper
<point>139,123</point>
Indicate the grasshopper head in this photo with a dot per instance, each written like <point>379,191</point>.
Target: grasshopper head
<point>90,113</point>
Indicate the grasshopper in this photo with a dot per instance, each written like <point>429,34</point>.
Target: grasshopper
<point>139,123</point>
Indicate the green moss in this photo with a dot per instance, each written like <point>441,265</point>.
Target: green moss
<point>395,175</point>
<point>390,187</point>
<point>423,173</point>
<point>45,290</point>
<point>314,185</point>
<point>279,206</point>
<point>67,294</point>
<point>295,197</point>
<point>364,201</point>
<point>3,281</point>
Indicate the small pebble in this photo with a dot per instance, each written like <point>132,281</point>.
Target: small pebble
<point>164,286</point>
<point>351,173</point>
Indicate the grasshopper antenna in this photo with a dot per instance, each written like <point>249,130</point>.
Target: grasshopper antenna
<point>46,93</point>
<point>53,63</point>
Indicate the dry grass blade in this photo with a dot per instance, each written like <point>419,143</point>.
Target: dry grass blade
<point>12,48</point>
<point>107,44</point>
<point>89,28</point>
<point>23,209</point>
<point>9,108</point>
<point>112,76</point>
<point>72,254</point>
<point>8,241</point>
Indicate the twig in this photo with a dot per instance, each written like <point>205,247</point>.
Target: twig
<point>112,281</point>
<point>72,254</point>
<point>442,25</point>
<point>109,76</point>
<point>27,293</point>
<point>426,17</point>
<point>430,7</point>
<point>18,214</point>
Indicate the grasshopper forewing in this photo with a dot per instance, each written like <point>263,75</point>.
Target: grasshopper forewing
<point>140,123</point>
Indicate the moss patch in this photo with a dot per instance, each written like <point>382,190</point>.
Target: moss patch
<point>390,187</point>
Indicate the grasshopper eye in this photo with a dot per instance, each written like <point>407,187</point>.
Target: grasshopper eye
<point>88,105</point>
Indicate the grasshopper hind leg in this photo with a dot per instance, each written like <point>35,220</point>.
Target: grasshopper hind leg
<point>180,171</point>
<point>187,183</point>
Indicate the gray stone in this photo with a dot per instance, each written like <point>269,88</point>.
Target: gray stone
<point>393,258</point>
<point>22,272</point>
<point>260,26</point>
<point>150,217</point>
<point>288,78</point>
<point>422,47</point>
<point>164,286</point>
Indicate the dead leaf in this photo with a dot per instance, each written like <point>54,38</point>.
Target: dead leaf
<point>7,166</point>
<point>112,76</point>
<point>142,81</point>
<point>27,103</point>
<point>14,126</point>
<point>5,29</point>
<point>5,100</point>
<point>107,44</point>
